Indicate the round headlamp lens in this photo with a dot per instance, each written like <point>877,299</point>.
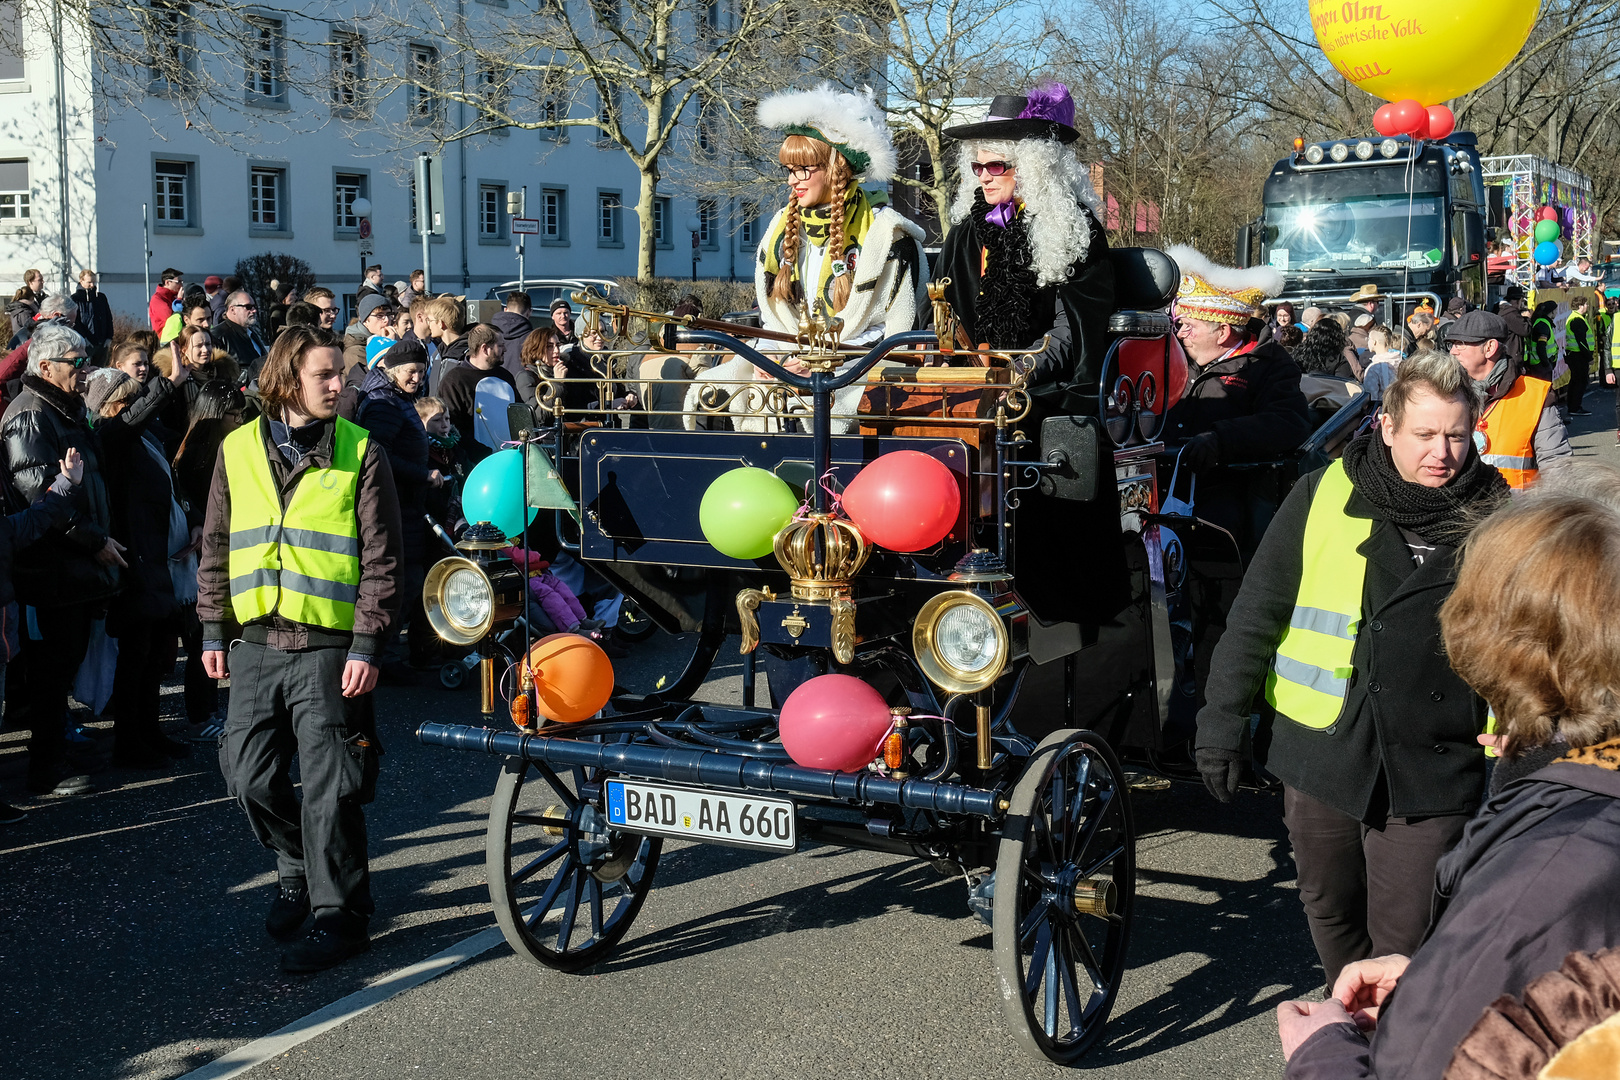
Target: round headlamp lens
<point>467,598</point>
<point>966,638</point>
<point>1339,152</point>
<point>1314,155</point>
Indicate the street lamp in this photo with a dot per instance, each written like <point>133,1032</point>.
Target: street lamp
<point>694,226</point>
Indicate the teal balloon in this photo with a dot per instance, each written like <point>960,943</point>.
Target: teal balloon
<point>744,509</point>
<point>494,493</point>
<point>1547,253</point>
<point>1547,231</point>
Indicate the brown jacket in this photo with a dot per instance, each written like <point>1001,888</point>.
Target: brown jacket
<point>377,509</point>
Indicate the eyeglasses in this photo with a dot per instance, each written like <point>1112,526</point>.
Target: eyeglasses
<point>76,361</point>
<point>990,168</point>
<point>250,307</point>
<point>801,172</point>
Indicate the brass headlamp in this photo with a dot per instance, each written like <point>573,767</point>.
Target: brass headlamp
<point>467,597</point>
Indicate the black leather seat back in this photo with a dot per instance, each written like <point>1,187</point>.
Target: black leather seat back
<point>1145,279</point>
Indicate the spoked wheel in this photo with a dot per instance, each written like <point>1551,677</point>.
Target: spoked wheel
<point>1065,886</point>
<point>565,886</point>
<point>633,623</point>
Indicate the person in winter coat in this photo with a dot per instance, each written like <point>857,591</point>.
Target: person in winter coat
<point>64,581</point>
<point>238,334</point>
<point>95,316</point>
<point>1336,628</point>
<point>375,317</point>
<point>1534,876</point>
<point>448,326</point>
<point>160,546</point>
<point>388,412</point>
<point>53,511</point>
<point>459,390</point>
<point>514,326</point>
<point>1382,361</point>
<point>171,285</point>
<point>539,359</point>
<point>1242,403</point>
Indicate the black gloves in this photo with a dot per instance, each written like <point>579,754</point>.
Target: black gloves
<point>1222,770</point>
<point>1202,452</point>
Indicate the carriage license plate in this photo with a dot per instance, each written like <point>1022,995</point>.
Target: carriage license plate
<point>708,816</point>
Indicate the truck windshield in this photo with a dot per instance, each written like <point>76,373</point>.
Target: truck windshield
<point>1369,233</point>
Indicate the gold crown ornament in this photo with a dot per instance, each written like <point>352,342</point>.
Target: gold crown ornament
<point>820,553</point>
<point>1224,294</point>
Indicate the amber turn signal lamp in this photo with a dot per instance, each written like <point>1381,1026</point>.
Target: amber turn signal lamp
<point>894,749</point>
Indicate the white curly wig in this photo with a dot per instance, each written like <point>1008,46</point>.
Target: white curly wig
<point>1053,184</point>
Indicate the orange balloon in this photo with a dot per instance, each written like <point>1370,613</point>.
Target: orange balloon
<point>573,677</point>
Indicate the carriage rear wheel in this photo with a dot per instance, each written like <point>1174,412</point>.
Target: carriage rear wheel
<point>565,886</point>
<point>1065,888</point>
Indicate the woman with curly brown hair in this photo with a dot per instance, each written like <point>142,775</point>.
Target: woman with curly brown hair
<point>1530,628</point>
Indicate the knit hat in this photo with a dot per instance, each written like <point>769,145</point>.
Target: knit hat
<point>371,303</point>
<point>1212,293</point>
<point>100,386</point>
<point>376,345</point>
<point>391,353</point>
<point>852,124</point>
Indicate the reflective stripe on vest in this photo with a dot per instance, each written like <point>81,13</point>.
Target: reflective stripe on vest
<point>1311,671</point>
<point>1510,431</point>
<point>303,564</point>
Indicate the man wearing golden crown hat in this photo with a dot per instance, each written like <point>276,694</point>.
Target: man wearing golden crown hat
<point>1243,402</point>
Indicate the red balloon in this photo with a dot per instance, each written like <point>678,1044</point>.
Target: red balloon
<point>1547,213</point>
<point>904,501</point>
<point>1409,117</point>
<point>1138,355</point>
<point>1442,121</point>
<point>1384,121</point>
<point>834,722</point>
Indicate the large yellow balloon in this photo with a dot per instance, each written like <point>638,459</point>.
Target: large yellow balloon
<point>1398,49</point>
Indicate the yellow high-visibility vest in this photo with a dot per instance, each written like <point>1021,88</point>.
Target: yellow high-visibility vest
<point>303,564</point>
<point>1311,672</point>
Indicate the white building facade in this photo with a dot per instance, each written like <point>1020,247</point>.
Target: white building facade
<point>96,180</point>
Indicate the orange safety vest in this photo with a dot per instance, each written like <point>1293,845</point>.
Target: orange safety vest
<point>1509,429</point>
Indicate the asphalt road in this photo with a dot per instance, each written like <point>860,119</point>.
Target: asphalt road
<point>132,947</point>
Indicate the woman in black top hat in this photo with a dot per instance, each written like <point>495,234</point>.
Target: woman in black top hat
<point>1026,256</point>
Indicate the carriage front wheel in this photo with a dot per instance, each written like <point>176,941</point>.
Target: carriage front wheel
<point>565,886</point>
<point>1065,887</point>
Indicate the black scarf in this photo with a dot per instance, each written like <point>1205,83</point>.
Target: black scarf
<point>1441,515</point>
<point>1009,279</point>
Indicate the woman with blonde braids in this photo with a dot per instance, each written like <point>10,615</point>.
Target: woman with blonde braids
<point>836,249</point>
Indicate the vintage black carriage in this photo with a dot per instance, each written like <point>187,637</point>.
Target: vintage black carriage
<point>1003,770</point>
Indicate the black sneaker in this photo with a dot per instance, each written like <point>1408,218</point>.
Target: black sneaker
<point>60,783</point>
<point>1580,412</point>
<point>320,949</point>
<point>287,912</point>
<point>173,748</point>
<point>10,815</point>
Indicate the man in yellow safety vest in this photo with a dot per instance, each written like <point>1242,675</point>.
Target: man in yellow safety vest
<point>300,557</point>
<point>1520,430</point>
<point>1337,631</point>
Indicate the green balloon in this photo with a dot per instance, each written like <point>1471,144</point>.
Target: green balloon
<point>1547,231</point>
<point>744,509</point>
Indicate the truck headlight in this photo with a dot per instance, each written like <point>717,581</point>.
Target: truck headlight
<point>1313,155</point>
<point>960,642</point>
<point>1339,152</point>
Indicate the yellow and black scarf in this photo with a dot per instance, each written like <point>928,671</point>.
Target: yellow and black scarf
<point>859,213</point>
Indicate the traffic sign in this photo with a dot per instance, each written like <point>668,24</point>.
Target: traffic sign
<point>365,228</point>
<point>526,226</point>
<point>367,246</point>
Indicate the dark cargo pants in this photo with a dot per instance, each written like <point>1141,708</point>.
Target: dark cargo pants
<point>283,703</point>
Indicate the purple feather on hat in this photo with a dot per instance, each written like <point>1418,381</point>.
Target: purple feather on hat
<point>1050,102</point>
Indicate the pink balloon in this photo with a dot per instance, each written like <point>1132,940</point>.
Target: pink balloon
<point>904,501</point>
<point>1442,121</point>
<point>834,722</point>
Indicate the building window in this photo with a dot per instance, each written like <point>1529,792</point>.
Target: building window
<point>662,237</point>
<point>553,216</point>
<point>169,52</point>
<point>748,229</point>
<point>494,97</point>
<point>172,199</point>
<point>347,187</point>
<point>491,212</point>
<point>12,64</point>
<point>550,113</point>
<point>348,69</point>
<point>267,199</point>
<point>14,208</point>
<point>708,214</point>
<point>609,218</point>
<point>267,59</point>
<point>607,115</point>
<point>424,75</point>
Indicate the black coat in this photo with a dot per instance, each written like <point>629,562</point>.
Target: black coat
<point>1532,881</point>
<point>1074,312</point>
<point>95,317</point>
<point>391,419</point>
<point>1251,402</point>
<point>35,432</point>
<point>244,344</point>
<point>1407,717</point>
<point>142,494</point>
<point>515,330</point>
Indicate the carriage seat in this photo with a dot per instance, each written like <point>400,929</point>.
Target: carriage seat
<point>1145,282</point>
